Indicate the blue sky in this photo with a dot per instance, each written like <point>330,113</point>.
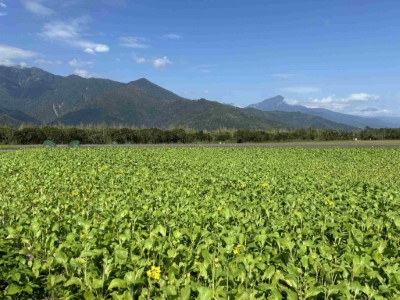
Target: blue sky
<point>337,54</point>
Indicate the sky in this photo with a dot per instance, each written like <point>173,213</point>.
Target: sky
<point>342,55</point>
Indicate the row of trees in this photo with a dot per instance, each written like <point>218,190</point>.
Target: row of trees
<point>104,135</point>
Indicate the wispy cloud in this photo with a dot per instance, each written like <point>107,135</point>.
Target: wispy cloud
<point>172,36</point>
<point>71,34</point>
<point>48,62</point>
<point>8,54</point>
<point>369,112</point>
<point>158,63</point>
<point>75,63</point>
<point>161,63</point>
<point>84,73</point>
<point>3,6</point>
<point>284,75</point>
<point>140,60</point>
<point>301,89</point>
<point>133,42</point>
<point>355,102</point>
<point>36,7</point>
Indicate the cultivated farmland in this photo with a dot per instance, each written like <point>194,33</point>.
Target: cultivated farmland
<point>200,223</point>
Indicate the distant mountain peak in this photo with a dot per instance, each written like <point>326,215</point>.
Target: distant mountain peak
<point>143,79</point>
<point>271,104</point>
<point>276,98</point>
<point>154,89</point>
<point>277,103</point>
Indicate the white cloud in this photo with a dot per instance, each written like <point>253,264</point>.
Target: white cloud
<point>160,63</point>
<point>70,33</point>
<point>3,6</point>
<point>284,75</point>
<point>362,97</point>
<point>89,50</point>
<point>83,73</point>
<point>133,42</point>
<point>172,36</point>
<point>301,89</point>
<point>9,54</point>
<point>140,60</point>
<point>353,102</point>
<point>75,63</point>
<point>36,7</point>
<point>48,62</point>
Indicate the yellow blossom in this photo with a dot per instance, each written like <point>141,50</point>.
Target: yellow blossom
<point>237,248</point>
<point>265,184</point>
<point>154,272</point>
<point>329,202</point>
<point>298,214</point>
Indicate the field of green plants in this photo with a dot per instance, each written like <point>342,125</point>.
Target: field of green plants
<point>200,223</point>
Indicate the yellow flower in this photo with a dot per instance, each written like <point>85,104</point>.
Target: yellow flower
<point>298,214</point>
<point>219,208</point>
<point>329,202</point>
<point>265,184</point>
<point>154,272</point>
<point>236,250</point>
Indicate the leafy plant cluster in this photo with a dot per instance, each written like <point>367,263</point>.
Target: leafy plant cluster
<point>107,135</point>
<point>200,223</point>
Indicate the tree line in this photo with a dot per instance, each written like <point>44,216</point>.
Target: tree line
<point>26,135</point>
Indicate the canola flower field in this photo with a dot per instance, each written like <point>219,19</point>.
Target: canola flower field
<point>200,223</point>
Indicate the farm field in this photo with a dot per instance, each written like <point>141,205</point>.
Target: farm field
<point>200,223</point>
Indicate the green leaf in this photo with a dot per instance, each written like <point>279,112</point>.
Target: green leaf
<point>117,283</point>
<point>269,272</point>
<point>73,281</point>
<point>313,291</point>
<point>162,230</point>
<point>185,293</point>
<point>88,295</point>
<point>61,258</point>
<point>120,255</point>
<point>97,283</point>
<point>170,290</point>
<point>205,293</point>
<point>13,289</point>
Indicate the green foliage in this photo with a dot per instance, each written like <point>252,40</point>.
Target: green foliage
<point>200,223</point>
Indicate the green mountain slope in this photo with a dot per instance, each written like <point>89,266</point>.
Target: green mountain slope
<point>75,100</point>
<point>16,117</point>
<point>131,105</point>
<point>46,96</point>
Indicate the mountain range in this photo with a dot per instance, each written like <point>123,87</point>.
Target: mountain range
<point>278,104</point>
<point>32,95</point>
